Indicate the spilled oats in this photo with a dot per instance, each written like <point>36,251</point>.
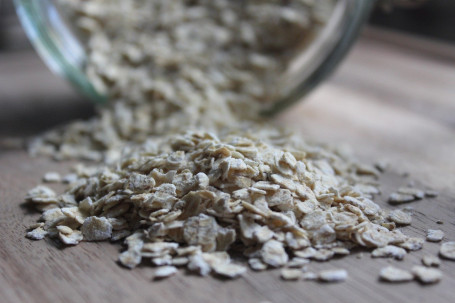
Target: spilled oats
<point>190,176</point>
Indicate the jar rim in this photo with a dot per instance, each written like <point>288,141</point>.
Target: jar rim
<point>327,50</point>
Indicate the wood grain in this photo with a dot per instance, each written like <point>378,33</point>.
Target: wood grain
<point>387,101</point>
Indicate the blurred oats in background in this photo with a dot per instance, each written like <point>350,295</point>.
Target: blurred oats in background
<point>430,18</point>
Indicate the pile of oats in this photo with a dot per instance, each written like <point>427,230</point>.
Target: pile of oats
<point>191,178</point>
<point>200,198</point>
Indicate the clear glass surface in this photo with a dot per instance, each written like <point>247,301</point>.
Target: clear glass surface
<point>60,48</point>
<point>57,45</point>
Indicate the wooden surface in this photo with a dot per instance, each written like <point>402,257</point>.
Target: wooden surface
<point>393,98</point>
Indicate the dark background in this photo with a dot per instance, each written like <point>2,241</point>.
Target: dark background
<point>434,19</point>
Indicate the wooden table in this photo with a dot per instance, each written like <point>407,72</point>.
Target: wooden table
<point>393,98</point>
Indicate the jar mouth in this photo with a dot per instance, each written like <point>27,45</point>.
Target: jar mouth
<point>65,55</point>
<point>323,54</point>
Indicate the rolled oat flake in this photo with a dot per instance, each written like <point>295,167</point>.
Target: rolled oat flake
<point>427,275</point>
<point>447,250</point>
<point>435,235</point>
<point>165,272</point>
<point>333,275</point>
<point>393,274</point>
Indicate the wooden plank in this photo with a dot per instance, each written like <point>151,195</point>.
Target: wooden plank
<point>386,102</point>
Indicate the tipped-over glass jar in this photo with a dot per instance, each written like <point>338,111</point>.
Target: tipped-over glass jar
<point>52,34</point>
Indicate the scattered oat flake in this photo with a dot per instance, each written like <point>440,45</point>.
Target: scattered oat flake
<point>297,262</point>
<point>40,191</point>
<point>435,235</point>
<point>229,270</point>
<point>341,251</point>
<point>412,244</point>
<point>393,274</point>
<point>431,261</point>
<point>396,198</point>
<point>130,258</point>
<point>389,251</point>
<point>52,177</point>
<point>199,265</point>
<point>165,272</point>
<point>256,264</point>
<point>161,261</point>
<point>427,275</point>
<point>180,261</point>
<point>291,274</point>
<point>417,193</point>
<point>400,217</point>
<point>323,255</point>
<point>37,234</point>
<point>447,250</point>
<point>309,276</point>
<point>333,275</point>
<point>307,253</point>
<point>72,238</point>
<point>273,254</point>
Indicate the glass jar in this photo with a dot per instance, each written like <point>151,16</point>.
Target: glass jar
<point>51,35</point>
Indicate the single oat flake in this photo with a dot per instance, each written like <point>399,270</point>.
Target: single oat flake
<point>417,193</point>
<point>291,274</point>
<point>52,177</point>
<point>165,272</point>
<point>333,275</point>
<point>256,264</point>
<point>400,217</point>
<point>397,198</point>
<point>393,274</point>
<point>229,270</point>
<point>37,232</point>
<point>273,253</point>
<point>435,235</point>
<point>447,250</point>
<point>298,262</point>
<point>427,275</point>
<point>96,229</point>
<point>389,251</point>
<point>431,261</point>
<point>412,244</point>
